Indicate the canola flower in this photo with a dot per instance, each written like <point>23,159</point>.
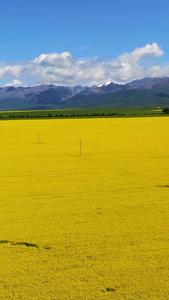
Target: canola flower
<point>90,226</point>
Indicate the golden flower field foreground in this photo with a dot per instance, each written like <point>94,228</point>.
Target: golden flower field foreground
<point>91,227</point>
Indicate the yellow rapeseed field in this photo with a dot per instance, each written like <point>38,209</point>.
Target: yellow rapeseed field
<point>94,226</point>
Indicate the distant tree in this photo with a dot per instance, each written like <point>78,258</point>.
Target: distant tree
<point>166,110</point>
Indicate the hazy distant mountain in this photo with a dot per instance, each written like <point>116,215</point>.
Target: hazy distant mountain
<point>146,91</point>
<point>36,97</point>
<point>150,83</point>
<point>143,92</point>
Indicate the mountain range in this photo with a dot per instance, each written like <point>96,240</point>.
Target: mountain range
<point>143,92</point>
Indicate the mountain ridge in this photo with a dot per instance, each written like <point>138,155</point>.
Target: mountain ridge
<point>140,92</point>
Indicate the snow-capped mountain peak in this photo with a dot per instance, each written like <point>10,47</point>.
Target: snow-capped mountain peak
<point>104,84</point>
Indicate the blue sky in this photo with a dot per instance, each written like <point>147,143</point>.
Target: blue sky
<point>86,30</point>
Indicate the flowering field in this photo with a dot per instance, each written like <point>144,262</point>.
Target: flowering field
<point>94,226</point>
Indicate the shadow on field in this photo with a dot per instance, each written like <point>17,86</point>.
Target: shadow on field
<point>162,186</point>
<point>22,244</point>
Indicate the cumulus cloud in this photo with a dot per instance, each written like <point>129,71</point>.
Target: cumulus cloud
<point>10,71</point>
<point>140,54</point>
<point>64,69</point>
<point>15,83</point>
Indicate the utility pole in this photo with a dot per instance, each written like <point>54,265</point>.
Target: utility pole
<point>80,148</point>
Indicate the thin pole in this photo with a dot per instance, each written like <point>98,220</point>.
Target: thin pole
<point>80,148</point>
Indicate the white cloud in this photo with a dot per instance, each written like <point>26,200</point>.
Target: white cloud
<point>141,54</point>
<point>15,83</point>
<point>128,66</point>
<point>64,69</point>
<point>10,71</point>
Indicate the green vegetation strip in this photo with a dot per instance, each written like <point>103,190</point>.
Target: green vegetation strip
<point>85,113</point>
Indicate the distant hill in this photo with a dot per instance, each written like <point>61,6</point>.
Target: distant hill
<point>143,92</point>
